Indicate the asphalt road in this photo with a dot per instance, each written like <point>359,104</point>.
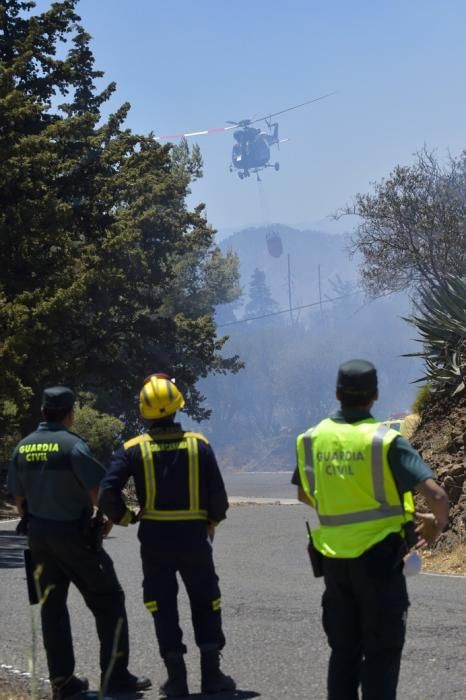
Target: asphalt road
<point>260,484</point>
<point>271,606</point>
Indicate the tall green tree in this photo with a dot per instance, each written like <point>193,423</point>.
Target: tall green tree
<point>106,274</point>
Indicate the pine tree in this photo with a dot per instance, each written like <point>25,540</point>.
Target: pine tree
<point>260,301</point>
<point>106,275</point>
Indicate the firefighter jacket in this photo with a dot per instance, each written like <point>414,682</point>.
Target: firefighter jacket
<point>178,484</point>
<point>344,470</point>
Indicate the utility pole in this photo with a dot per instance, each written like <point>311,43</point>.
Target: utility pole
<point>320,288</point>
<point>289,289</point>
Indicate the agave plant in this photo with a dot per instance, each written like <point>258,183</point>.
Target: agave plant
<point>441,323</point>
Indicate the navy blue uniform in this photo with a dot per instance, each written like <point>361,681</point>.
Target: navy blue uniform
<point>180,490</point>
<point>53,469</point>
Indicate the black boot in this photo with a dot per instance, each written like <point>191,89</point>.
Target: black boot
<point>212,678</point>
<point>176,685</point>
<point>72,688</point>
<point>128,683</point>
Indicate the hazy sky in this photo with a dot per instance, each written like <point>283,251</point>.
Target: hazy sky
<point>398,66</point>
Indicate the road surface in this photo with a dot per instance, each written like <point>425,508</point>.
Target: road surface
<point>271,605</point>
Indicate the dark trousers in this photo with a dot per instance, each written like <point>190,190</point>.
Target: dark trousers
<point>197,571</point>
<point>365,606</point>
<point>65,556</point>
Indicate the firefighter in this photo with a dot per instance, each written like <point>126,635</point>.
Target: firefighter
<point>356,473</point>
<point>182,499</point>
<point>55,479</point>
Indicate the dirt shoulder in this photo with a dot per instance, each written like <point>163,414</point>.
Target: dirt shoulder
<point>441,440</point>
<point>452,561</point>
<point>7,512</point>
<point>7,509</point>
<point>15,687</point>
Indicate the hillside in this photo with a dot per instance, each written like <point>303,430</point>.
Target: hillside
<point>308,250</point>
<point>441,439</point>
<point>291,359</point>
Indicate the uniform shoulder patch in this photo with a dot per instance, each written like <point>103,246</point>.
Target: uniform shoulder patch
<point>136,441</point>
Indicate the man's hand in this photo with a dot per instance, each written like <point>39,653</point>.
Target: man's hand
<point>432,524</point>
<point>211,531</point>
<point>428,529</point>
<point>107,526</point>
<point>304,498</point>
<point>20,503</point>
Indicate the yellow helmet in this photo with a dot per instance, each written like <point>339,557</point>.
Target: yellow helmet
<point>159,397</point>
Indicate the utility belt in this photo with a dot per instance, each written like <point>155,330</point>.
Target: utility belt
<point>91,526</point>
<point>381,559</point>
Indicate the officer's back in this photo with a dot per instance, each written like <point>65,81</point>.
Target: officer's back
<point>182,498</point>
<point>53,467</point>
<point>55,480</point>
<point>178,483</point>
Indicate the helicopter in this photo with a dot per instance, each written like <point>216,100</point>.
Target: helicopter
<point>251,151</point>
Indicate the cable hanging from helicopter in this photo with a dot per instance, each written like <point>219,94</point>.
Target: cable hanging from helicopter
<point>251,151</point>
<point>272,236</point>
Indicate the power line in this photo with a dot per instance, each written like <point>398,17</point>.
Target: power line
<point>287,311</point>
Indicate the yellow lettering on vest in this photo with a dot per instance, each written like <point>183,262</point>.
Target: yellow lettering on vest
<point>36,457</point>
<point>55,447</point>
<point>341,469</point>
<point>168,446</point>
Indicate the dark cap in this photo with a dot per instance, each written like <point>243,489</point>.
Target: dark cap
<point>58,398</point>
<point>357,378</point>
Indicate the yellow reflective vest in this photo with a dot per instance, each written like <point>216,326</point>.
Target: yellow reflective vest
<point>344,471</point>
<point>152,446</point>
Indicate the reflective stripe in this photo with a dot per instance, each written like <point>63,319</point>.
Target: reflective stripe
<point>309,461</point>
<point>378,481</point>
<point>361,516</point>
<point>149,475</point>
<point>158,437</point>
<point>154,514</point>
<point>193,457</point>
<point>217,604</point>
<point>152,606</point>
<point>150,512</point>
<point>136,441</point>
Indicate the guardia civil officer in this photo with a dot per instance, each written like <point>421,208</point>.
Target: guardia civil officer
<point>357,474</point>
<point>182,497</point>
<point>55,481</point>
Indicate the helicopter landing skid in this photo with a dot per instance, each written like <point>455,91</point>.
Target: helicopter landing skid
<point>246,173</point>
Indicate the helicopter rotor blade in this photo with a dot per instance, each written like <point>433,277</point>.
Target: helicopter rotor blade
<point>289,109</point>
<point>240,124</point>
<point>171,137</point>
